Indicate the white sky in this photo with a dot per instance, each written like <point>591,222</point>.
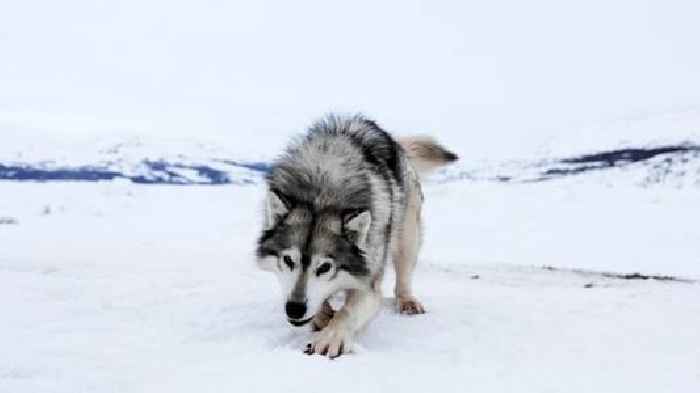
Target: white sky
<point>495,72</point>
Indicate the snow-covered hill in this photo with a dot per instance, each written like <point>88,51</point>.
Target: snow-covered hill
<point>194,163</point>
<point>653,149</point>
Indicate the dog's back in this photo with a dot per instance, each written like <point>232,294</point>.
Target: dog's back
<point>347,164</point>
<point>334,165</point>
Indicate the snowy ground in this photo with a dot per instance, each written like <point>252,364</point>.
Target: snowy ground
<point>120,287</point>
<point>116,287</point>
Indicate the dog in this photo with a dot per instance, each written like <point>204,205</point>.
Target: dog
<point>341,201</point>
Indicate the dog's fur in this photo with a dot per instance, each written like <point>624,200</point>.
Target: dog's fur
<point>341,201</point>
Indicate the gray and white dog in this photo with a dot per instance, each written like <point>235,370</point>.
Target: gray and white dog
<point>341,201</point>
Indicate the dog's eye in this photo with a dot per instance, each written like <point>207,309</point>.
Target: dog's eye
<point>324,268</point>
<point>288,261</point>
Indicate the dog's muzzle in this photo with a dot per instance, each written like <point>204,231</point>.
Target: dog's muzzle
<point>299,322</point>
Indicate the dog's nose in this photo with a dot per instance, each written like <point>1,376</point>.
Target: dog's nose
<point>295,310</point>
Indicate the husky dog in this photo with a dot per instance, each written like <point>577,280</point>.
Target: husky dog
<point>341,201</point>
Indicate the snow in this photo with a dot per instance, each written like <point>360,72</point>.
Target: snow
<point>568,223</point>
<point>113,286</point>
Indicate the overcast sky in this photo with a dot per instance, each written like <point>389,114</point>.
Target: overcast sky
<point>491,70</point>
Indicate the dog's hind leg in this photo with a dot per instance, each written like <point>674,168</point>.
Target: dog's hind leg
<point>405,255</point>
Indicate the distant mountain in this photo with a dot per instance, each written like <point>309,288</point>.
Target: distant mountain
<point>199,164</point>
<point>676,165</point>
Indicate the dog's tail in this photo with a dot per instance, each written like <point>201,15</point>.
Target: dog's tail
<point>426,154</point>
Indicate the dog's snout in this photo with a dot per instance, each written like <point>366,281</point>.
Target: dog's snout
<point>295,310</point>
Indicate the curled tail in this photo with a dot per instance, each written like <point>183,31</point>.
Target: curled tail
<point>426,154</point>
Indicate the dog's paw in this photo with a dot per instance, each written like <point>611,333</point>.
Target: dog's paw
<point>410,306</point>
<point>332,341</point>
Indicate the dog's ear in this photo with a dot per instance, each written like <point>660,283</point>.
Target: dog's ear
<point>275,209</point>
<point>356,227</point>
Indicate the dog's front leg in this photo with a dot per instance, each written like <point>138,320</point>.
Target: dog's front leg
<point>323,317</point>
<point>336,338</point>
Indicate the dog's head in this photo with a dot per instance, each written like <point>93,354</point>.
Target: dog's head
<point>314,254</point>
